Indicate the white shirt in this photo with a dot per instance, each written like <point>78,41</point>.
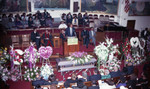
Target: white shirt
<point>62,26</point>
<point>71,31</point>
<point>92,33</point>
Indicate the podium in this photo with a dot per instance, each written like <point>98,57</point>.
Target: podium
<point>72,45</point>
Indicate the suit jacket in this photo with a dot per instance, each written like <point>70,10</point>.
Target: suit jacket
<point>67,32</point>
<point>75,87</point>
<point>34,35</point>
<point>85,33</point>
<point>90,34</point>
<point>95,77</point>
<point>115,74</point>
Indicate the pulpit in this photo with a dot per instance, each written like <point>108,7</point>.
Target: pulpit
<point>72,45</point>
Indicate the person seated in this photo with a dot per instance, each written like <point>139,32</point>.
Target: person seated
<point>85,76</point>
<point>73,79</point>
<point>85,37</point>
<point>36,22</point>
<point>81,78</point>
<point>42,21</point>
<point>106,75</point>
<point>143,81</point>
<point>35,37</point>
<point>10,24</point>
<point>69,18</point>
<point>47,39</point>
<point>132,82</point>
<point>38,86</point>
<point>94,85</point>
<point>53,79</point>
<point>124,71</point>
<point>122,82</point>
<point>70,31</point>
<point>18,23</point>
<point>80,20</point>
<point>86,19</point>
<point>30,22</point>
<point>80,85</point>
<point>24,23</point>
<point>92,35</point>
<point>62,25</point>
<point>115,73</point>
<point>130,68</point>
<point>49,22</point>
<point>75,21</point>
<point>95,75</point>
<point>62,36</point>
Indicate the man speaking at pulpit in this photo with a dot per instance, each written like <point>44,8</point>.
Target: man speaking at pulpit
<point>70,31</point>
<point>72,44</point>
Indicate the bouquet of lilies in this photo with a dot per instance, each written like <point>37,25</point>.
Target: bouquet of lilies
<point>79,57</point>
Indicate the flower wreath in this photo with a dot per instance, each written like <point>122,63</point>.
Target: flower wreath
<point>79,57</point>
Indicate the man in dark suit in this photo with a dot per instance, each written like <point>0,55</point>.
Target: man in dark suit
<point>47,39</point>
<point>85,36</point>
<point>70,31</point>
<point>95,76</point>
<point>35,37</point>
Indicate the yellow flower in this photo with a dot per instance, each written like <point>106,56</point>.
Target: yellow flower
<point>126,60</point>
<point>6,49</point>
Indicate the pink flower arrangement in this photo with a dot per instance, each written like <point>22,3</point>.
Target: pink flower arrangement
<point>15,74</point>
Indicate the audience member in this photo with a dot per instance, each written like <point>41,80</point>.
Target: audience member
<point>47,39</point>
<point>38,87</point>
<point>130,68</point>
<point>80,19</point>
<point>132,82</point>
<point>70,31</point>
<point>115,73</point>
<point>92,35</point>
<point>30,22</point>
<point>85,37</point>
<point>53,79</point>
<point>18,23</point>
<point>106,75</point>
<point>143,81</point>
<point>85,19</point>
<point>35,37</point>
<point>10,24</point>
<point>36,22</point>
<point>42,21</point>
<point>75,21</point>
<point>69,18</point>
<point>72,80</point>
<point>122,82</point>
<point>95,75</point>
<point>80,85</point>
<point>62,25</point>
<point>94,85</point>
<point>24,22</point>
<point>49,22</point>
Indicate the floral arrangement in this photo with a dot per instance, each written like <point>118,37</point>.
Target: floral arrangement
<point>4,73</point>
<point>131,51</point>
<point>30,73</point>
<point>15,74</point>
<point>4,56</point>
<point>15,56</point>
<point>127,47</point>
<point>107,56</point>
<point>31,55</point>
<point>46,71</point>
<point>79,57</point>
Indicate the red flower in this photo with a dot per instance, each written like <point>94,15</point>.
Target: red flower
<point>15,60</point>
<point>19,60</point>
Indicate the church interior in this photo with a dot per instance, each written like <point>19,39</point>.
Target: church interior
<point>74,44</point>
